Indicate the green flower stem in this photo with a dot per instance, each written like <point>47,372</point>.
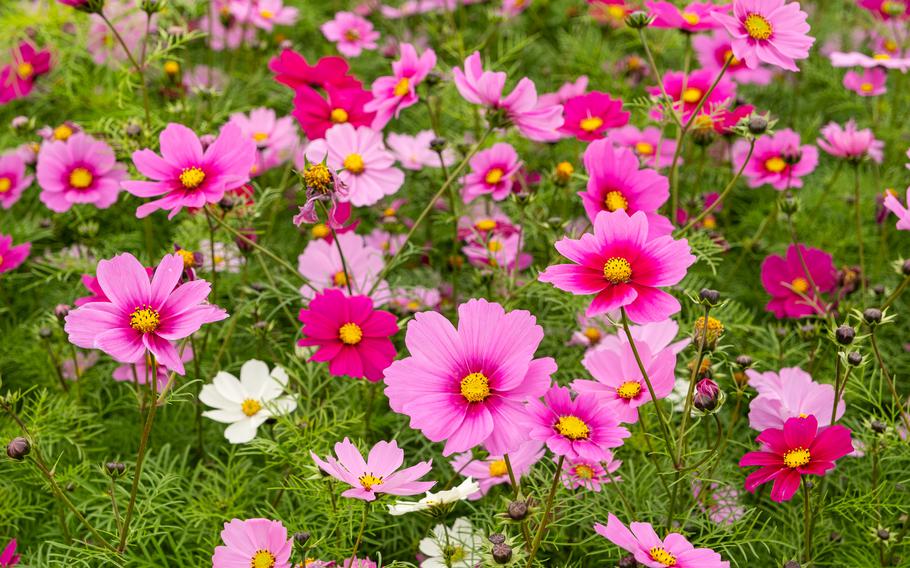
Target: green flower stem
<point>541,528</point>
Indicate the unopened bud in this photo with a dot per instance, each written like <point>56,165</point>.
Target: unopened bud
<point>878,426</point>
<point>758,125</point>
<point>744,361</point>
<point>872,315</point>
<point>883,534</point>
<point>905,268</point>
<point>61,311</point>
<point>133,130</point>
<point>114,469</point>
<point>18,448</point>
<point>44,332</point>
<point>438,144</point>
<point>854,358</point>
<point>518,510</point>
<point>497,538</point>
<point>792,564</point>
<point>639,20</point>
<point>706,395</point>
<point>845,334</point>
<point>709,296</point>
<point>628,561</point>
<point>502,553</point>
<point>301,537</point>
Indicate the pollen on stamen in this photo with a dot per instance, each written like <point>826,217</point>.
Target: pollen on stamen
<point>660,554</point>
<point>145,320</point>
<point>350,334</point>
<point>475,387</point>
<point>629,390</point>
<point>263,559</point>
<point>498,468</point>
<point>572,427</point>
<point>368,481</point>
<point>617,270</point>
<point>191,178</point>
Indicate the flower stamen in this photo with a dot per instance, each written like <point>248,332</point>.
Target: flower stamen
<point>475,387</point>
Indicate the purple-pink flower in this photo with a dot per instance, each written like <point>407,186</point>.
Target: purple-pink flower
<point>695,17</point>
<point>789,393</point>
<point>253,543</point>
<point>649,145</point>
<point>398,91</point>
<point>790,286</point>
<point>491,173</point>
<point>79,170</point>
<point>13,179</point>
<point>493,470</point>
<point>350,33</point>
<point>780,160</point>
<point>651,551</point>
<point>850,143</point>
<point>589,116</point>
<point>713,50</point>
<point>769,31</point>
<point>414,152</point>
<point>870,84</point>
<point>903,212</point>
<point>12,257</point>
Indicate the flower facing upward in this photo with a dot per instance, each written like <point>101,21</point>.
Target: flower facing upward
<point>651,551</point>
<point>142,316</point>
<point>78,170</point>
<point>468,385</point>
<point>780,160</point>
<point>769,31</point>
<point>790,287</point>
<point>13,180</point>
<point>589,116</point>
<point>623,267</point>
<point>589,474</point>
<point>414,152</point>
<point>491,173</point>
<point>186,175</point>
<point>797,449</point>
<point>378,474</point>
<point>850,143</point>
<point>791,393</point>
<point>254,543</point>
<point>893,204</point>
<point>433,503</point>
<point>648,144</point>
<point>870,84</point>
<point>350,33</point>
<point>398,91</point>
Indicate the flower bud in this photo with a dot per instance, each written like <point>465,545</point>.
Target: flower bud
<point>518,510</point>
<point>878,290</point>
<point>706,395</point>
<point>707,333</point>
<point>133,130</point>
<point>301,537</point>
<point>758,125</point>
<point>502,553</point>
<point>792,564</point>
<point>44,332</point>
<point>61,311</point>
<point>564,171</point>
<point>872,315</point>
<point>854,358</point>
<point>244,244</point>
<point>905,268</point>
<point>497,538</point>
<point>171,68</point>
<point>114,469</point>
<point>789,205</point>
<point>152,6</point>
<point>639,20</point>
<point>744,361</point>
<point>18,448</point>
<point>628,561</point>
<point>438,144</point>
<point>878,426</point>
<point>883,534</point>
<point>845,334</point>
<point>433,78</point>
<point>709,296</point>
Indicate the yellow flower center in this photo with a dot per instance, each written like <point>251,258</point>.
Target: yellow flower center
<point>318,177</point>
<point>266,14</point>
<point>800,285</point>
<point>797,457</point>
<point>340,278</point>
<point>881,56</point>
<point>615,200</point>
<point>354,164</point>
<point>80,178</point>
<point>339,115</point>
<point>710,222</point>
<point>250,406</point>
<point>350,334</point>
<point>144,320</point>
<point>564,170</point>
<point>691,18</point>
<point>413,305</point>
<point>591,123</point>
<point>263,559</point>
<point>644,149</point>
<point>402,87</point>
<point>494,246</point>
<point>583,471</point>
<point>714,325</point>
<point>617,270</point>
<point>593,334</point>
<point>692,95</point>
<point>498,468</point>
<point>866,87</point>
<point>775,164</point>
<point>320,231</point>
<point>890,45</point>
<point>572,427</point>
<point>189,259</point>
<point>352,35</point>
<point>171,67</point>
<point>389,212</point>
<point>660,554</point>
<point>63,132</point>
<point>629,390</point>
<point>5,184</point>
<point>616,11</point>
<point>494,176</point>
<point>368,480</point>
<point>260,136</point>
<point>485,225</point>
<point>733,60</point>
<point>25,70</point>
<point>758,27</point>
<point>191,178</point>
<point>475,387</point>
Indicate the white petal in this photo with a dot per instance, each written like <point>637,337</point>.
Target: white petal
<point>240,432</point>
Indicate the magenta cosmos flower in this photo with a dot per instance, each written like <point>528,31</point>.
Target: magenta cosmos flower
<point>142,316</point>
<point>648,144</point>
<point>568,90</point>
<point>615,182</point>
<point>623,267</point>
<point>589,474</point>
<point>398,91</point>
<point>12,257</point>
<point>713,50</point>
<point>468,385</point>
<point>780,160</point>
<point>903,213</point>
<point>79,170</point>
<point>349,334</point>
<point>366,167</point>
<point>378,474</point>
<point>292,69</point>
<point>850,143</point>
<point>770,31</point>
<point>9,557</point>
<point>589,116</point>
<point>582,428</point>
<point>687,90</point>
<point>350,33</point>
<point>797,449</point>
<point>870,84</point>
<point>695,17</point>
<point>275,138</point>
<point>13,180</point>
<point>887,9</point>
<point>344,105</point>
<point>18,78</point>
<point>188,176</point>
<point>651,551</point>
<point>493,470</point>
<point>491,173</point>
<point>791,393</point>
<point>521,107</point>
<point>785,279</point>
<point>254,543</point>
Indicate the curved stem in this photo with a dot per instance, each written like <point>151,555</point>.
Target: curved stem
<point>657,75</point>
<point>139,69</point>
<point>690,395</point>
<point>897,292</point>
<point>363,524</point>
<point>807,525</point>
<point>887,375</point>
<point>541,528</point>
<point>858,218</point>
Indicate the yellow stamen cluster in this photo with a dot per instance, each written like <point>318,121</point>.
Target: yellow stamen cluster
<point>475,387</point>
<point>644,149</point>
<point>692,95</point>
<point>494,246</point>
<point>629,390</point>
<point>191,178</point>
<point>368,481</point>
<point>708,333</point>
<point>320,231</point>
<point>350,334</point>
<point>260,136</point>
<point>498,468</point>
<point>171,67</point>
<point>615,200</point>
<point>340,278</point>
<point>266,14</point>
<point>593,334</point>
<point>797,457</point>
<point>352,35</point>
<point>63,132</point>
<point>263,559</point>
<point>80,178</point>
<point>691,18</point>
<point>494,176</point>
<point>339,115</point>
<point>189,259</point>
<point>145,320</point>
<point>775,165</point>
<point>660,554</point>
<point>250,407</point>
<point>591,124</point>
<point>318,177</point>
<point>402,87</point>
<point>5,184</point>
<point>485,225</point>
<point>800,285</point>
<point>354,164</point>
<point>583,471</point>
<point>572,427</point>
<point>617,270</point>
<point>564,171</point>
<point>25,70</point>
<point>758,27</point>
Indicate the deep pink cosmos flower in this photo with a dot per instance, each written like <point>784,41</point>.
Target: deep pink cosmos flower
<point>142,316</point>
<point>615,182</point>
<point>493,471</point>
<point>275,138</point>
<point>378,474</point>
<point>887,9</point>
<point>791,393</point>
<point>320,263</point>
<point>850,143</point>
<point>648,144</point>
<point>797,449</point>
<point>9,557</point>
<point>414,153</point>
<point>780,160</point>
<point>521,107</point>
<point>769,31</point>
<point>13,180</point>
<point>12,257</point>
<point>345,105</point>
<point>18,78</point>
<point>651,551</point>
<point>350,33</point>
<point>582,428</point>
<point>265,14</point>
<point>588,474</point>
<point>589,116</point>
<point>491,173</point>
<point>253,543</point>
<point>790,287</point>
<point>687,90</point>
<point>79,170</point>
<point>188,176</point>
<point>870,84</point>
<point>398,91</point>
<point>623,267</point>
<point>292,69</point>
<point>903,213</point>
<point>468,385</point>
<point>696,17</point>
<point>350,335</point>
<point>713,50</point>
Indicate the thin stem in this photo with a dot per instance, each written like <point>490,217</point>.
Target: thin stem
<point>212,227</point>
<point>630,510</point>
<point>541,528</point>
<point>897,292</point>
<point>887,375</point>
<point>363,524</point>
<point>114,507</point>
<point>690,395</point>
<point>807,524</point>
<point>139,69</point>
<point>858,218</point>
<point>657,75</point>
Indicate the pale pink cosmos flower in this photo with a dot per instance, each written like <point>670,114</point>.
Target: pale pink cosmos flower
<point>224,30</point>
<point>588,474</point>
<point>850,143</point>
<point>491,173</point>
<point>79,170</point>
<point>253,543</point>
<point>658,336</point>
<point>903,213</point>
<point>201,79</point>
<point>497,251</point>
<point>713,50</point>
<point>379,473</point>
<point>321,264</point>
<point>492,470</point>
<point>350,33</point>
<point>13,179</point>
<point>789,393</point>
<point>568,90</point>
<point>367,168</point>
<point>720,502</point>
<point>468,385</point>
<point>856,59</point>
<point>392,94</point>
<point>512,8</point>
<point>416,299</point>
<point>695,17</point>
<point>769,31</point>
<point>414,152</point>
<point>142,316</point>
<point>73,368</point>
<point>264,14</point>
<point>870,84</point>
<point>648,144</point>
<point>275,138</point>
<point>129,20</point>
<point>780,160</point>
<point>483,220</point>
<point>384,241</point>
<point>651,551</point>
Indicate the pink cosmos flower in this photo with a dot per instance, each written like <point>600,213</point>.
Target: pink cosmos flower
<point>392,94</point>
<point>687,90</point>
<point>790,287</point>
<point>521,107</point>
<point>903,213</point>
<point>129,20</point>
<point>497,251</point>
<point>378,474</point>
<point>414,153</point>
<point>618,379</point>
<point>139,373</point>
<point>588,474</point>
<point>225,32</point>
<point>73,368</point>
<point>9,557</point>
<point>658,336</point>
<point>610,12</point>
<point>292,69</point>
<point>797,449</point>
<point>491,173</point>
<point>79,170</point>
<point>254,542</point>
<point>187,175</point>
<point>275,138</point>
<point>615,182</point>
<point>142,316</point>
<point>780,160</point>
<point>567,91</point>
<point>882,60</point>
<point>350,33</point>
<point>367,168</point>
<point>870,84</point>
<point>713,50</point>
<point>589,116</point>
<point>512,8</point>
<point>696,17</point>
<point>344,106</point>
<point>385,241</point>
<point>416,299</point>
<point>788,394</point>
<point>648,144</point>
<point>579,429</point>
<point>468,385</point>
<point>18,78</point>
<point>887,9</point>
<point>651,551</point>
<point>720,502</point>
<point>13,180</point>
<point>849,143</point>
<point>321,264</point>
<point>484,220</point>
<point>265,14</point>
<point>12,257</point>
<point>770,31</point>
<point>202,79</point>
<point>350,335</point>
<point>623,267</point>
<point>493,471</point>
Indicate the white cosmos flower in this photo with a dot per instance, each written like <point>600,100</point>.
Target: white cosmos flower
<point>455,547</point>
<point>468,487</point>
<point>246,403</point>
